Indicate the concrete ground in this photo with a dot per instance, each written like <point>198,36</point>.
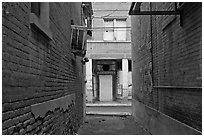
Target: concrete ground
<point>110,125</point>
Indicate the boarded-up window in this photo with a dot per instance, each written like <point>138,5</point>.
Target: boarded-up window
<point>115,29</point>
<point>109,31</point>
<point>120,29</point>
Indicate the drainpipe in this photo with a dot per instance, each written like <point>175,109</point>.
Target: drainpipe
<point>151,49</point>
<point>152,59</point>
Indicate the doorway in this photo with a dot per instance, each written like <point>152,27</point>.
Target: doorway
<point>106,88</point>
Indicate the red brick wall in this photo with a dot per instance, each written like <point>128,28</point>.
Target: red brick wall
<point>176,55</point>
<point>36,70</point>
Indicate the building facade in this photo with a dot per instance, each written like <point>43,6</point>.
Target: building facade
<point>42,79</point>
<point>167,66</point>
<point>109,51</point>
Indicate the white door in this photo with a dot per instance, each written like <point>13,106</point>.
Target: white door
<point>105,92</point>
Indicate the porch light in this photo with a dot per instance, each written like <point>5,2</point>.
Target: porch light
<point>84,60</point>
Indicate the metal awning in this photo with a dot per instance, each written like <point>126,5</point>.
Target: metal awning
<point>135,10</point>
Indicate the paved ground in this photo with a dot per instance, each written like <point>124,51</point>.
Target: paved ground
<point>110,125</point>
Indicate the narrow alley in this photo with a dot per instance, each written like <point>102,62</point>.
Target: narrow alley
<point>110,118</point>
<point>101,68</point>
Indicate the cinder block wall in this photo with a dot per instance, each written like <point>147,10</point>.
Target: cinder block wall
<point>38,75</point>
<point>170,56</point>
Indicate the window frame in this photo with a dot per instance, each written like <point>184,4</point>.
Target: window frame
<point>41,21</point>
<point>120,29</point>
<point>114,28</point>
<point>35,5</point>
<point>108,28</point>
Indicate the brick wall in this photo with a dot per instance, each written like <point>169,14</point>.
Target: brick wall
<point>36,70</point>
<point>175,53</point>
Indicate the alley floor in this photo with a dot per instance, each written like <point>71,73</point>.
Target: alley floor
<point>110,125</point>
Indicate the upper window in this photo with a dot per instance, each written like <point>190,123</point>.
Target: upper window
<point>35,8</point>
<point>109,29</point>
<point>115,29</point>
<point>39,17</point>
<point>120,29</point>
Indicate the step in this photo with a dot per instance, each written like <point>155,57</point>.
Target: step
<point>107,105</point>
<point>108,113</point>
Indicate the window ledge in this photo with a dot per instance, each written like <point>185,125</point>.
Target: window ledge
<point>35,22</point>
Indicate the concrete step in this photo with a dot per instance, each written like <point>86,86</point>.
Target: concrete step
<point>110,103</point>
<point>108,113</point>
<point>109,110</point>
<point>107,105</point>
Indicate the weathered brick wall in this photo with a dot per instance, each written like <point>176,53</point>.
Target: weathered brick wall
<point>176,55</point>
<point>35,70</point>
<point>54,122</point>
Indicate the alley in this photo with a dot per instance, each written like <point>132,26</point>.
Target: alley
<point>110,125</point>
<point>101,68</point>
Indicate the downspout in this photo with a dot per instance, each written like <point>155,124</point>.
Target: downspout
<point>81,14</point>
<point>151,49</point>
<point>151,52</point>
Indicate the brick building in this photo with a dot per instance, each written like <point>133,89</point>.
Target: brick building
<point>109,52</point>
<point>167,71</point>
<point>42,79</point>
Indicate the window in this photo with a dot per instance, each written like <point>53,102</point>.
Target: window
<point>115,29</point>
<point>120,30</point>
<point>109,30</point>
<point>39,18</point>
<point>35,8</point>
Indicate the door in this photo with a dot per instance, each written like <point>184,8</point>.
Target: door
<point>105,92</point>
